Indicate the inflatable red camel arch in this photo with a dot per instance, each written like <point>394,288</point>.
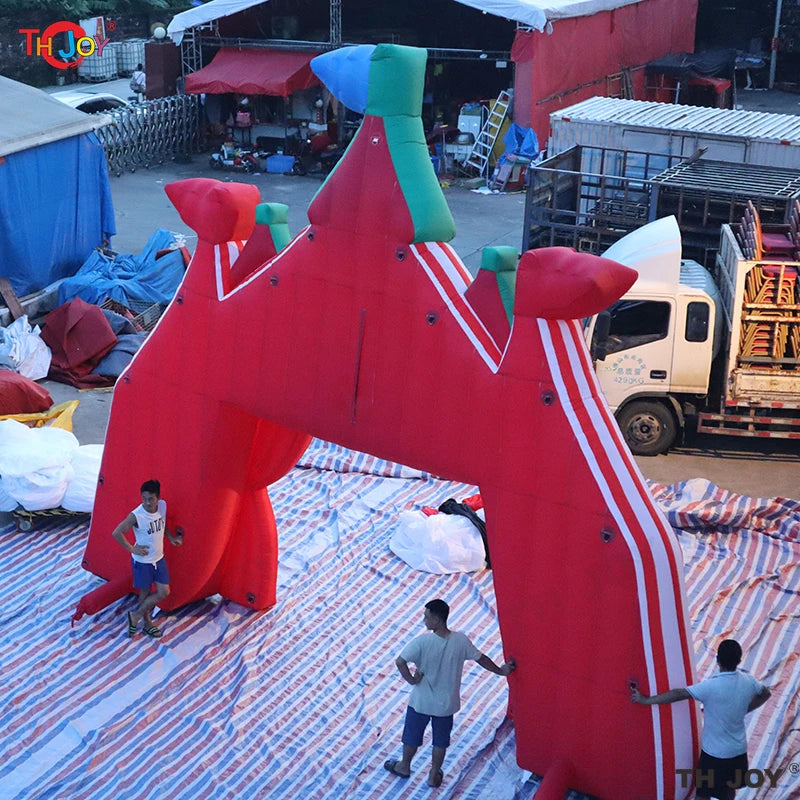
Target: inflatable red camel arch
<point>365,329</point>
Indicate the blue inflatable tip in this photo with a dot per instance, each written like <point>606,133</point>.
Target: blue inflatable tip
<point>346,73</point>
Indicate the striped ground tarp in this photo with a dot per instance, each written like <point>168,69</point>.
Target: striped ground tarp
<point>303,700</point>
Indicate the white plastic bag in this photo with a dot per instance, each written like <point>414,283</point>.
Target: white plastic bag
<point>23,348</point>
<point>35,464</point>
<point>41,489</point>
<point>7,502</point>
<point>82,488</point>
<point>442,543</point>
<point>24,450</point>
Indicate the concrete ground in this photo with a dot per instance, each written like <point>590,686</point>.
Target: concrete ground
<point>773,101</point>
<point>762,468</point>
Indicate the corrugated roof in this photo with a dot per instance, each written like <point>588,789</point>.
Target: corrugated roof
<point>29,117</point>
<point>694,119</point>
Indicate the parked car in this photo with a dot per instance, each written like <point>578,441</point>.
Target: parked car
<point>91,102</point>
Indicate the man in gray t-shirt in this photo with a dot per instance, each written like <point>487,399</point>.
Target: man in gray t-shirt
<point>726,697</point>
<point>439,657</point>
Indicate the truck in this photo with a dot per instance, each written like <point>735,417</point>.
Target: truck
<point>688,346</point>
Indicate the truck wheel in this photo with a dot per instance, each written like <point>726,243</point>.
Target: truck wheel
<point>648,427</point>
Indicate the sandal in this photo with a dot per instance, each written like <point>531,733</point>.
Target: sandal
<point>131,626</point>
<point>437,780</point>
<point>390,766</point>
<point>153,630</point>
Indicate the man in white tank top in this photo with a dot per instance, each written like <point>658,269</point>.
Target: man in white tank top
<point>436,696</point>
<point>149,524</point>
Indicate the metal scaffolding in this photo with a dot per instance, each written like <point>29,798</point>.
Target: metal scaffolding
<point>191,52</point>
<point>192,44</point>
<point>336,22</point>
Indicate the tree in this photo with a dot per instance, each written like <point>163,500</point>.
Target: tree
<point>80,9</point>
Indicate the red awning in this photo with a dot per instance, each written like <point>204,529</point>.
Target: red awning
<point>254,71</point>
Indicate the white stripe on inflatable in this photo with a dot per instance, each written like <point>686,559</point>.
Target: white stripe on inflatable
<point>218,271</point>
<point>489,361</point>
<point>439,252</point>
<point>234,248</point>
<point>602,485</point>
<point>670,608</point>
<point>456,276</point>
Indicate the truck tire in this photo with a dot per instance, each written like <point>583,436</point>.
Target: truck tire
<point>648,427</point>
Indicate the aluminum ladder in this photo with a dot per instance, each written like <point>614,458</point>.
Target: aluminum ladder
<point>482,149</point>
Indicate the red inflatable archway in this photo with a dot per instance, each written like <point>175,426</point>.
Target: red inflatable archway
<point>366,330</point>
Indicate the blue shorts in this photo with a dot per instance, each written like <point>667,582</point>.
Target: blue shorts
<point>415,726</point>
<point>145,575</point>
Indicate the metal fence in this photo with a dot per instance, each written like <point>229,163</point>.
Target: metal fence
<point>152,132</point>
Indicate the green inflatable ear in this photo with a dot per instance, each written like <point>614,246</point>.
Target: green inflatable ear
<point>502,261</point>
<point>276,215</point>
<point>396,84</point>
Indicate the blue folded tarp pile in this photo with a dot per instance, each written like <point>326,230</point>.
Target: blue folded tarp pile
<point>134,281</point>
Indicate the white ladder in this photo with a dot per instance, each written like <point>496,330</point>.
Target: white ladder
<point>482,149</point>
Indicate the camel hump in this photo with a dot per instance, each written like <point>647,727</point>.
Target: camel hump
<point>558,283</point>
<point>218,212</point>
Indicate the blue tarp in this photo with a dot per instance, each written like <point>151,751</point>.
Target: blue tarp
<point>519,141</point>
<point>134,281</point>
<point>55,207</point>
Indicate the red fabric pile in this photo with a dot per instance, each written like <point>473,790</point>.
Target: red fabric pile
<point>20,395</point>
<point>79,335</point>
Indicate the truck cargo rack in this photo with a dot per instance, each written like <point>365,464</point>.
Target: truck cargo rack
<point>589,197</point>
<point>754,421</point>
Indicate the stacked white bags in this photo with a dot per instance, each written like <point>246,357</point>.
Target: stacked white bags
<point>43,468</point>
<point>81,489</point>
<point>442,543</point>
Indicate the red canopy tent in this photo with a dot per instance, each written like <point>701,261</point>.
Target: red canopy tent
<point>254,71</point>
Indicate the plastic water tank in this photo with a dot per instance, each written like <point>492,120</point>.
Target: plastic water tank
<point>102,67</point>
<point>129,55</point>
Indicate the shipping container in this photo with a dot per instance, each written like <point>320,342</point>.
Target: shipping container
<point>742,137</point>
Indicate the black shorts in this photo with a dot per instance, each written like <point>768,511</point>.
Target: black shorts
<point>714,774</point>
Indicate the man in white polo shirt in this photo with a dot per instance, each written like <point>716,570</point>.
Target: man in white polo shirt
<point>436,696</point>
<point>726,697</point>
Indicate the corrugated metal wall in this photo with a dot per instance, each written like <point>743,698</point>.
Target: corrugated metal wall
<point>749,137</point>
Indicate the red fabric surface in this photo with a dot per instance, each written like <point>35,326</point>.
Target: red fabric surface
<point>78,334</point>
<point>20,395</point>
<point>254,71</point>
<point>224,217</point>
<point>483,295</point>
<point>368,172</point>
<point>719,85</point>
<point>259,248</point>
<point>546,65</point>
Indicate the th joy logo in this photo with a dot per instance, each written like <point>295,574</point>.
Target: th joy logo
<point>77,44</point>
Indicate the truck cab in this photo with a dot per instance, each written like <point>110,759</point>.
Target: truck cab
<point>662,336</point>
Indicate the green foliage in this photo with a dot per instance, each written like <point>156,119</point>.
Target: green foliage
<point>80,9</point>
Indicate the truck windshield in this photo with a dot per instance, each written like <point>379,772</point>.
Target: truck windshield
<point>637,322</point>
